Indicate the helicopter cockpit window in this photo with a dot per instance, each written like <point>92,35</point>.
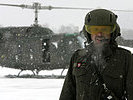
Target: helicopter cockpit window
<point>45,50</point>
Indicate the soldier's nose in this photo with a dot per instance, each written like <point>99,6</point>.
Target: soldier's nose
<point>99,34</point>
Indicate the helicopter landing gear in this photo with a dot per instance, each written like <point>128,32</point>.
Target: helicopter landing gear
<point>34,73</point>
<point>62,71</point>
<point>37,71</point>
<point>19,73</point>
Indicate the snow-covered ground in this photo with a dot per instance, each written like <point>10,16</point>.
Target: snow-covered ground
<point>31,88</point>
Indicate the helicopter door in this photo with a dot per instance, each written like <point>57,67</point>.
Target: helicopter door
<point>45,50</point>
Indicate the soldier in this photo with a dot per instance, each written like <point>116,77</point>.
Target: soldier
<point>102,70</point>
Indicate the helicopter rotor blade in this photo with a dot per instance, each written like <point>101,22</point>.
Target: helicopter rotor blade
<point>38,6</point>
<point>121,10</point>
<point>22,5</point>
<point>51,7</point>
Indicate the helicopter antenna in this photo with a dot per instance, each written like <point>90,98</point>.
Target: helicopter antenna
<point>37,6</point>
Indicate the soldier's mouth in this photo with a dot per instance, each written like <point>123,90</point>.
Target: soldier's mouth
<point>101,40</point>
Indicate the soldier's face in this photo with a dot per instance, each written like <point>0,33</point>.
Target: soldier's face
<point>100,38</point>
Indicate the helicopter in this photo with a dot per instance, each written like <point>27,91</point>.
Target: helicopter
<point>37,48</point>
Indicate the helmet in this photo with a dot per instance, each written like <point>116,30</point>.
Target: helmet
<point>101,17</point>
<point>116,33</point>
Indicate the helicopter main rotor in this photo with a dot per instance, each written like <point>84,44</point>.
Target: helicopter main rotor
<point>37,6</point>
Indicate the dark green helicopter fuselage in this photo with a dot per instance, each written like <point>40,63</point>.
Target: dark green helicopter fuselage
<point>33,48</point>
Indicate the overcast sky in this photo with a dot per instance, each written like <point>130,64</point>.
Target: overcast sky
<point>13,16</point>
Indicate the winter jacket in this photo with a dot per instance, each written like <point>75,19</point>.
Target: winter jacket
<point>117,73</point>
